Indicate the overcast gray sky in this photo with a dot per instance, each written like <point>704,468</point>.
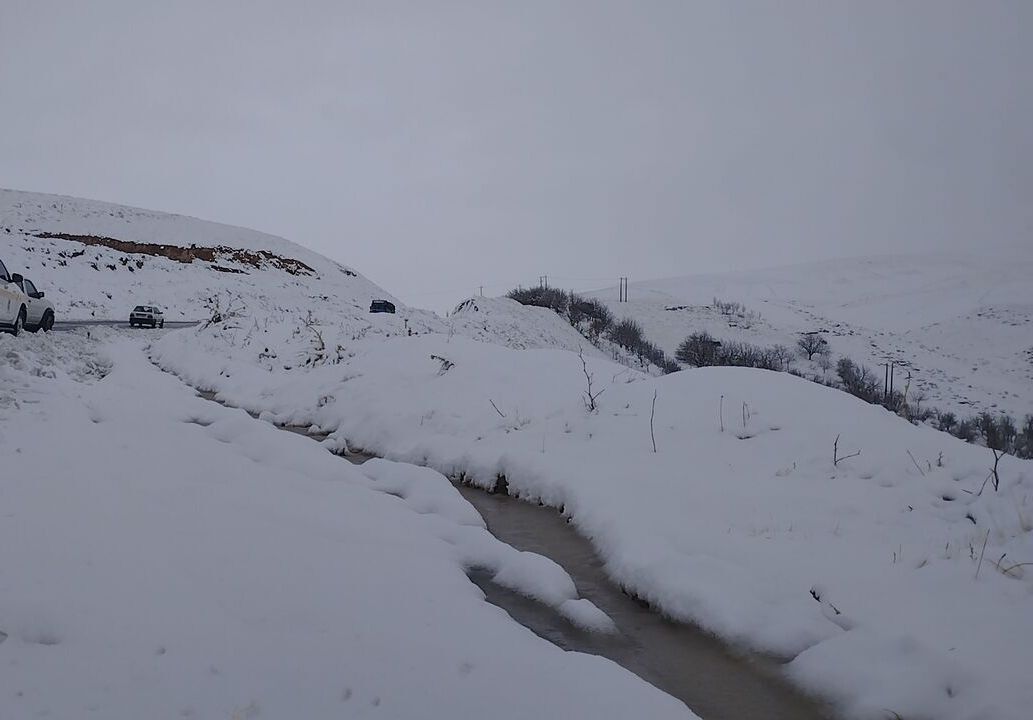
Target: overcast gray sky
<point>439,146</point>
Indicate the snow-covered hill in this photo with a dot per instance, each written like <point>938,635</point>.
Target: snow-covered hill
<point>96,280</point>
<point>98,260</point>
<point>962,326</point>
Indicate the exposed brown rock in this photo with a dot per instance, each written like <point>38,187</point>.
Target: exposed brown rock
<point>254,258</point>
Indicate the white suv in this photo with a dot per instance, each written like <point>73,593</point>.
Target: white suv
<point>146,315</point>
<point>13,303</point>
<point>40,311</point>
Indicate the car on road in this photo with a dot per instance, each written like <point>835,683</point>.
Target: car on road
<point>39,311</point>
<point>13,303</point>
<point>146,315</point>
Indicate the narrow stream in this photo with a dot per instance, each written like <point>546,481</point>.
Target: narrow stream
<point>680,659</point>
<point>715,681</point>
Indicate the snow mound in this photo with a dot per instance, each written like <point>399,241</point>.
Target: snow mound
<point>506,322</point>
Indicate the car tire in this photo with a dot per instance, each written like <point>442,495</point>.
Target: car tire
<point>47,323</point>
<point>19,323</point>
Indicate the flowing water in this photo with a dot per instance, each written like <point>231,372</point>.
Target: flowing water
<point>714,680</point>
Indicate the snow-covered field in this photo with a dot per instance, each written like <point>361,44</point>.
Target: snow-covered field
<point>196,560</point>
<point>860,572</point>
<point>163,556</point>
<point>962,325</point>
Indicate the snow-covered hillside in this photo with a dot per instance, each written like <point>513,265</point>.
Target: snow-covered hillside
<point>963,326</point>
<point>113,266</point>
<point>97,281</point>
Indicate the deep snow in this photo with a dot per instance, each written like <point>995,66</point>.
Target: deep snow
<point>163,556</point>
<point>861,573</point>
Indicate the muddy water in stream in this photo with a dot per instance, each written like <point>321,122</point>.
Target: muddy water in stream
<point>680,659</point>
<point>716,682</point>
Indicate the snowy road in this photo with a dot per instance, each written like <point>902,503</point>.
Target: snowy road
<point>65,325</point>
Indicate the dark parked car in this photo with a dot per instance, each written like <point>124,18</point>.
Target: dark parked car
<point>381,306</point>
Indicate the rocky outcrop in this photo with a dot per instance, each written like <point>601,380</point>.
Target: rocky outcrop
<point>255,258</point>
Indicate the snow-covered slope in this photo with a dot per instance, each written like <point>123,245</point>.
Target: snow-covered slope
<point>95,280</point>
<point>113,266</point>
<point>963,326</point>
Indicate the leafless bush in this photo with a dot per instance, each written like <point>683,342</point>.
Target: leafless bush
<point>836,459</point>
<point>221,310</point>
<point>627,333</point>
<point>698,350</point>
<point>317,348</point>
<point>590,397</point>
<point>446,364</point>
<point>729,307</point>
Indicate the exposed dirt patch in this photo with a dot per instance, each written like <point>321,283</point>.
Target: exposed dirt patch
<point>255,258</point>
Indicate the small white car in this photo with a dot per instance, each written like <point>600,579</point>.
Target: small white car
<point>146,315</point>
<point>13,303</point>
<point>39,311</point>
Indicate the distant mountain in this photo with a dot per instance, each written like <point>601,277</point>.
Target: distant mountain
<point>962,326</point>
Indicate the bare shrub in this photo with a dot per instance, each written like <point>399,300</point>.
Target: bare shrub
<point>627,333</point>
<point>221,309</point>
<point>729,307</point>
<point>699,350</point>
<point>551,298</point>
<point>591,397</point>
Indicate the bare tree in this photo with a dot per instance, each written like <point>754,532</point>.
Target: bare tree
<point>781,356</point>
<point>812,344</point>
<point>825,361</point>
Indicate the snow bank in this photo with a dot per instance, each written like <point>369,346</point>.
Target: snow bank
<point>859,571</point>
<point>162,556</point>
